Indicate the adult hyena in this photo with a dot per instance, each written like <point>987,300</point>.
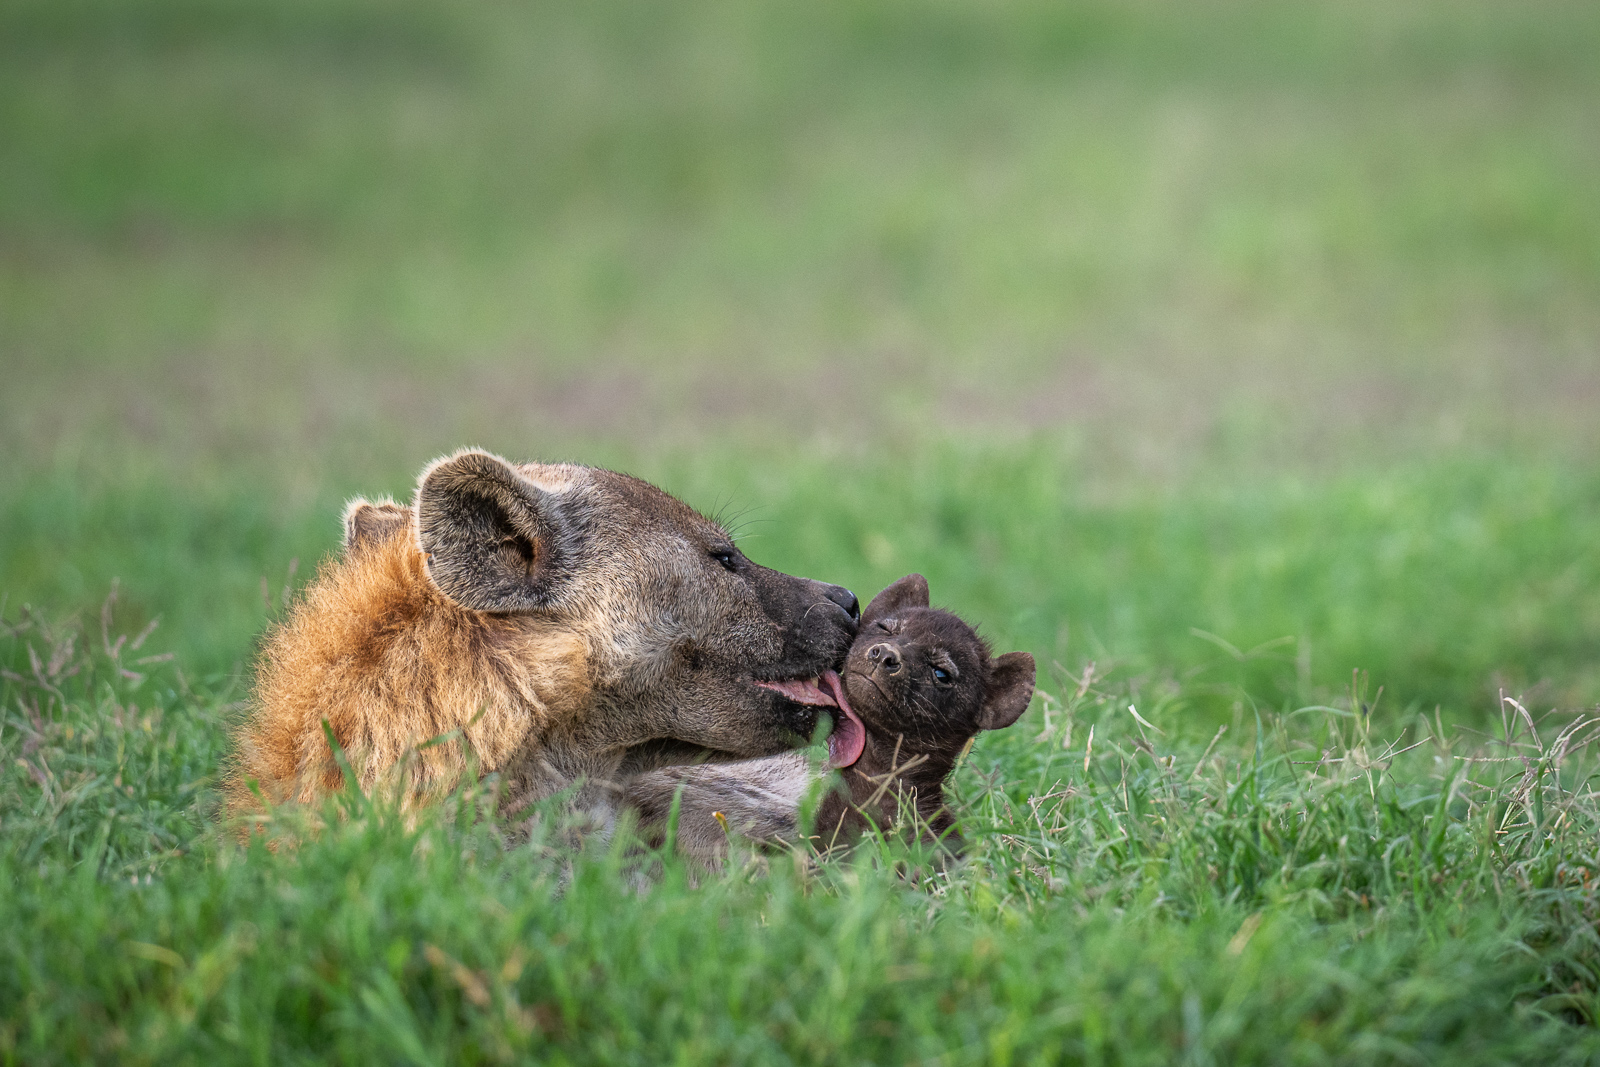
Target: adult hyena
<point>577,626</point>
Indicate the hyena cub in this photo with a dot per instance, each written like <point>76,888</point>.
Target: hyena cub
<point>923,684</point>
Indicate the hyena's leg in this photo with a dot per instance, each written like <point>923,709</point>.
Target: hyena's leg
<point>759,799</point>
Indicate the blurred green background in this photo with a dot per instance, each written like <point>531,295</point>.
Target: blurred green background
<point>1120,320</point>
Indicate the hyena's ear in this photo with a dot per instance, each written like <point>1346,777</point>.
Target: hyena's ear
<point>368,523</point>
<point>1010,689</point>
<point>491,536</point>
<point>909,592</point>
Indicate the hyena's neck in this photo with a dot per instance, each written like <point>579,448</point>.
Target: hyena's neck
<point>376,655</point>
<point>881,785</point>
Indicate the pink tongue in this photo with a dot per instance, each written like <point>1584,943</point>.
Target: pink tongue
<point>849,737</point>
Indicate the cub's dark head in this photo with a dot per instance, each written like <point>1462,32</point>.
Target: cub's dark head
<point>922,673</point>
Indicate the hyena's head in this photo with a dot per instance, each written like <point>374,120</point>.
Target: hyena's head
<point>693,650</point>
<point>923,675</point>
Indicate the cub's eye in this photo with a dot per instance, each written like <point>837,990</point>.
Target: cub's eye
<point>727,557</point>
<point>941,675</point>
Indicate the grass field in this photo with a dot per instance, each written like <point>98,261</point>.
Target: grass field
<point>1240,360</point>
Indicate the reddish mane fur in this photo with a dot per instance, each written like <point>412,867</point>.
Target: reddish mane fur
<point>375,649</point>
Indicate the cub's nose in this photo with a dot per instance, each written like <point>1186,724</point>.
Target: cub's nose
<point>846,600</point>
<point>885,656</point>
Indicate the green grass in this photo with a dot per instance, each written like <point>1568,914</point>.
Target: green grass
<point>1310,895</point>
<point>1246,351</point>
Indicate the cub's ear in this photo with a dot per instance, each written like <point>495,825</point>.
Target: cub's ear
<point>909,592</point>
<point>371,522</point>
<point>1010,689</point>
<point>492,537</point>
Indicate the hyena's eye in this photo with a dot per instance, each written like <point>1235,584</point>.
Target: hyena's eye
<point>941,675</point>
<point>727,557</point>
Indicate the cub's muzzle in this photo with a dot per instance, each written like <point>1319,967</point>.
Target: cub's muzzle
<point>885,657</point>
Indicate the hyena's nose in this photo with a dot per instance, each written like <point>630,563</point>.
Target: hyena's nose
<point>886,657</point>
<point>846,600</point>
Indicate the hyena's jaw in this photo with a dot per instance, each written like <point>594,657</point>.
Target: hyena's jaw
<point>826,691</point>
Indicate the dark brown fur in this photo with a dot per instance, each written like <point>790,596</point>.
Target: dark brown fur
<point>918,723</point>
<point>577,626</point>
